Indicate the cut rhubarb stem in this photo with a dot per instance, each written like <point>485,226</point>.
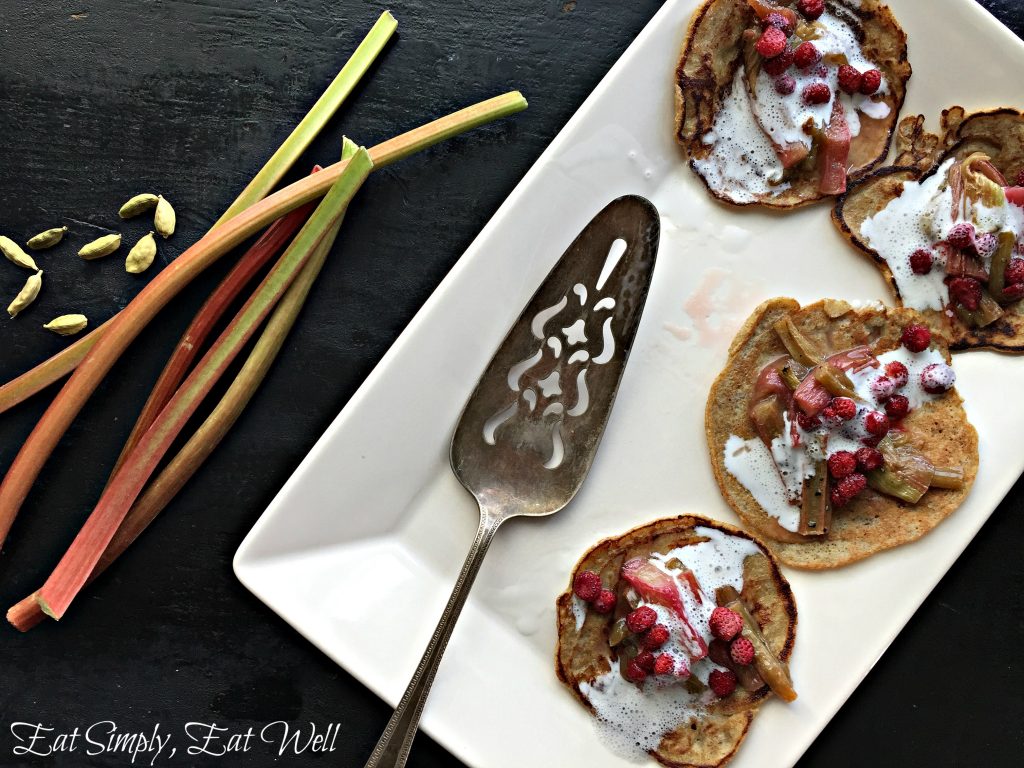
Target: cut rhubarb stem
<point>65,361</point>
<point>262,251</point>
<point>132,319</point>
<point>81,558</point>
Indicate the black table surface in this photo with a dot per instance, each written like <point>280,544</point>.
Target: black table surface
<point>102,99</point>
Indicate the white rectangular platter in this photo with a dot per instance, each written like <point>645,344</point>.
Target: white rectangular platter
<point>375,507</point>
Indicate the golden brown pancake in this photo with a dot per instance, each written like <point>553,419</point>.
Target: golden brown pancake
<point>871,522</point>
<point>714,50</point>
<point>584,654</point>
<point>999,134</point>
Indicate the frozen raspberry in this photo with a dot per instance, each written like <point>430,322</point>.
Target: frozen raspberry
<point>1014,272</point>
<point>898,372</point>
<point>916,337</point>
<point>817,93</point>
<point>779,64</point>
<point>785,85</point>
<point>849,78</point>
<point>587,586</point>
<point>841,464</point>
<point>851,485</point>
<point>642,619</point>
<point>772,42</point>
<point>844,408</point>
<point>722,682</point>
<point>655,637</point>
<point>985,243</point>
<point>869,459</point>
<point>807,423</point>
<point>778,21</point>
<point>806,55</point>
<point>870,82</point>
<point>635,672</point>
<point>664,664</point>
<point>921,262</point>
<point>605,602</point>
<point>883,388</point>
<point>961,236</point>
<point>896,407</point>
<point>645,660</point>
<point>876,423</point>
<point>725,623</point>
<point>811,9</point>
<point>965,291</point>
<point>937,378</point>
<point>741,650</point>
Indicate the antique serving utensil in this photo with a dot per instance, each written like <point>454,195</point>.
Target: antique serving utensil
<point>529,432</point>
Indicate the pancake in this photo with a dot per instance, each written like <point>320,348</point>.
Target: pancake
<point>871,522</point>
<point>715,59</point>
<point>711,736</point>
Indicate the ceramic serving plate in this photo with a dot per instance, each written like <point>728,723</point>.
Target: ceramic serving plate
<point>375,506</point>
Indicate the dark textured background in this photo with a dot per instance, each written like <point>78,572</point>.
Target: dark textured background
<point>103,99</point>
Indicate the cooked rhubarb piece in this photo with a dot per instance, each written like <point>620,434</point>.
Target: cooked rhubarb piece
<point>835,381</point>
<point>855,359</point>
<point>764,8</point>
<point>948,477</point>
<point>774,671</point>
<point>1000,261</point>
<point>656,586</point>
<point>792,374</point>
<point>801,348</point>
<point>815,509</point>
<point>988,312</point>
<point>746,674</point>
<point>811,396</point>
<point>834,152</point>
<point>770,381</point>
<point>767,417</point>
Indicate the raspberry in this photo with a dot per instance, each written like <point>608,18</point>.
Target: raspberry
<point>741,650</point>
<point>837,499</point>
<point>845,409</point>
<point>806,55</point>
<point>985,243</point>
<point>876,423</point>
<point>961,236</point>
<point>869,459</point>
<point>870,82</point>
<point>779,64</point>
<point>817,93</point>
<point>645,660</point>
<point>811,9</point>
<point>605,602</point>
<point>965,291</point>
<point>849,78</point>
<point>1020,178</point>
<point>1014,271</point>
<point>785,85</point>
<point>587,586</point>
<point>655,637</point>
<point>807,423</point>
<point>937,378</point>
<point>635,672</point>
<point>772,42</point>
<point>896,407</point>
<point>780,22</point>
<point>664,665</point>
<point>898,372</point>
<point>851,485</point>
<point>1013,292</point>
<point>883,388</point>
<point>722,682</point>
<point>921,262</point>
<point>916,337</point>
<point>725,623</point>
<point>642,619</point>
<point>841,464</point>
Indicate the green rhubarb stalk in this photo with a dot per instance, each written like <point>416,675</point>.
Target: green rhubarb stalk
<point>74,569</point>
<point>65,361</point>
<point>27,613</point>
<point>133,318</point>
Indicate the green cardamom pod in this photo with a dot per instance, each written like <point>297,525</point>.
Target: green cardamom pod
<point>100,247</point>
<point>28,294</point>
<point>67,325</point>
<point>141,255</point>
<point>138,204</point>
<point>164,218</point>
<point>14,253</point>
<point>47,239</point>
